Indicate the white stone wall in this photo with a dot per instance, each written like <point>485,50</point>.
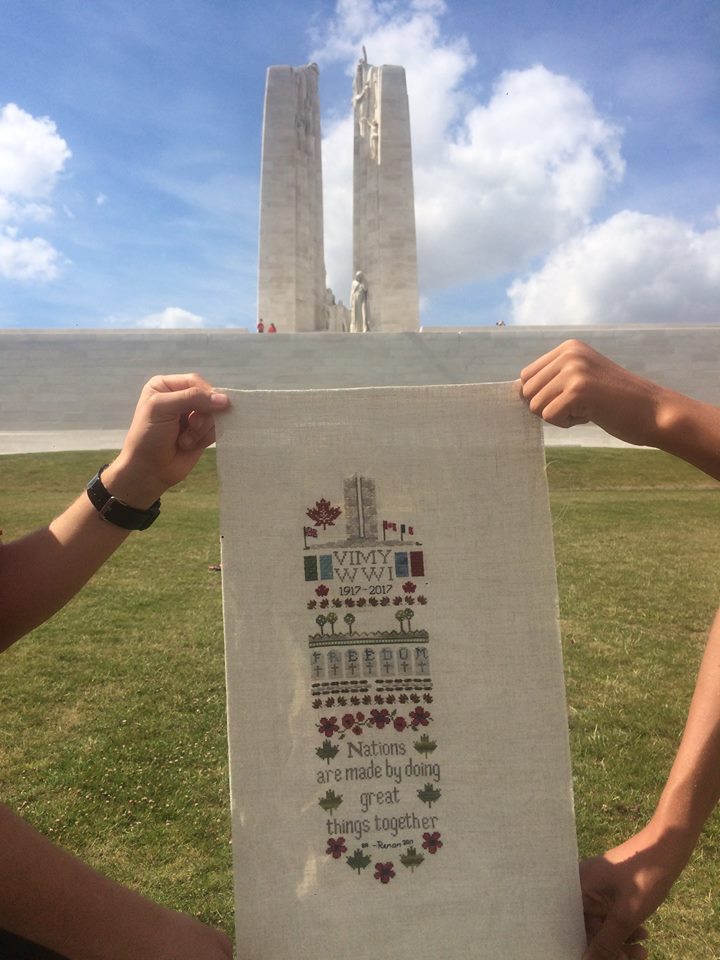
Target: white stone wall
<point>90,380</point>
<point>384,244</point>
<point>291,263</point>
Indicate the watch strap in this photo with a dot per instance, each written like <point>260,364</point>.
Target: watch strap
<point>116,511</point>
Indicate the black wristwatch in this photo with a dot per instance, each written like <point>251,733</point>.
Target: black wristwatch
<point>117,512</point>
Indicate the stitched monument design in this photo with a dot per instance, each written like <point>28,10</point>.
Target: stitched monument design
<point>370,686</point>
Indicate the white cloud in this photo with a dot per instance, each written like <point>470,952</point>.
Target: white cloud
<point>32,155</point>
<point>22,258</point>
<point>633,268</point>
<point>497,183</point>
<point>171,318</point>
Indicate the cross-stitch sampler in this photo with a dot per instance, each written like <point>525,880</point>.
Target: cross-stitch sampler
<point>400,771</point>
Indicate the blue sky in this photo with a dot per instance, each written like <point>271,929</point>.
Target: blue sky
<point>565,156</point>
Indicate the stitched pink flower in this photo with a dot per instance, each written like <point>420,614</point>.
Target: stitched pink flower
<point>336,847</point>
<point>380,718</point>
<point>384,872</point>
<point>419,717</point>
<point>328,726</point>
<point>431,842</point>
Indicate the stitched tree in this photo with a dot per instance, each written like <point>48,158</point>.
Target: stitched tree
<point>323,514</point>
<point>349,620</point>
<point>358,861</point>
<point>327,752</point>
<point>411,858</point>
<point>332,620</point>
<point>321,620</point>
<point>429,794</point>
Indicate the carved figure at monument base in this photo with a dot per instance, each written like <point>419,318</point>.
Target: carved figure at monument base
<point>358,305</point>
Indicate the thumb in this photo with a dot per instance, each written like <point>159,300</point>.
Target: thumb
<point>608,943</point>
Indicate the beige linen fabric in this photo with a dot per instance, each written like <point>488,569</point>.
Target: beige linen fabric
<point>400,771</point>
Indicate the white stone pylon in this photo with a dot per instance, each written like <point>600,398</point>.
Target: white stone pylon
<point>384,244</point>
<point>291,267</point>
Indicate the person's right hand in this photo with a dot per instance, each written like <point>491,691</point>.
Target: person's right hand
<point>575,384</point>
<point>172,425</point>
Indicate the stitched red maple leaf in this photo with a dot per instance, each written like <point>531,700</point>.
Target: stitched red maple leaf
<point>323,514</point>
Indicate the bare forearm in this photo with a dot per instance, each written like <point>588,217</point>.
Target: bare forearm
<point>693,787</point>
<point>690,430</point>
<point>42,571</point>
<point>52,898</point>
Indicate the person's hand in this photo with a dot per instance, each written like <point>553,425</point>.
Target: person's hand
<point>622,888</point>
<point>575,384</point>
<point>172,425</point>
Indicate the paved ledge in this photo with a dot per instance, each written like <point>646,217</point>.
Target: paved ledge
<point>47,441</point>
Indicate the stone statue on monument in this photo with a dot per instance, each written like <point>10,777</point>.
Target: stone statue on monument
<point>363,101</point>
<point>358,305</point>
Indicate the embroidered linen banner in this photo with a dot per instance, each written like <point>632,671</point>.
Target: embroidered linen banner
<point>400,772</point>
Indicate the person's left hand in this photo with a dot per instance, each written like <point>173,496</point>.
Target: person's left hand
<point>172,425</point>
<point>622,888</point>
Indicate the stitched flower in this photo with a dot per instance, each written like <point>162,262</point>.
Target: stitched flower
<point>431,842</point>
<point>379,718</point>
<point>409,587</point>
<point>419,717</point>
<point>348,720</point>
<point>336,847</point>
<point>384,872</point>
<point>328,726</point>
<point>322,590</point>
<point>400,723</point>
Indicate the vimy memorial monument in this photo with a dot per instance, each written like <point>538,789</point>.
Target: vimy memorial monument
<point>292,293</point>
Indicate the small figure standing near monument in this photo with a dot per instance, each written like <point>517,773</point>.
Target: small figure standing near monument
<point>260,327</point>
<point>358,305</point>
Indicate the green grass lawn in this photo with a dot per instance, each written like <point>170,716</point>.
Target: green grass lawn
<point>112,716</point>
